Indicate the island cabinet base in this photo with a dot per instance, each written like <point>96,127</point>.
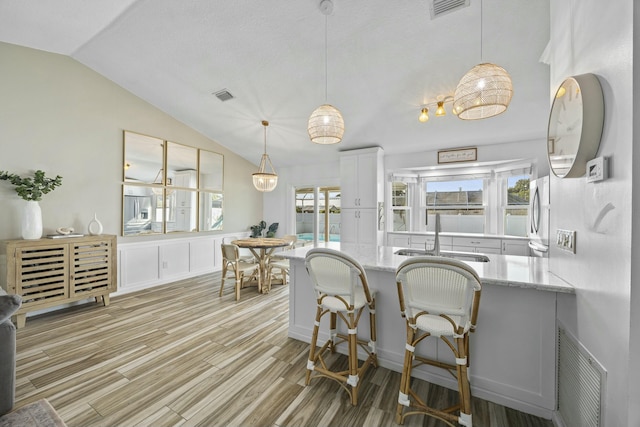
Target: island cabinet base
<point>512,353</point>
<point>50,272</point>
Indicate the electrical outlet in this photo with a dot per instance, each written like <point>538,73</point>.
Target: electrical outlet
<point>566,240</point>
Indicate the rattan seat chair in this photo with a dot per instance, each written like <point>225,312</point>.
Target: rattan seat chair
<point>279,263</point>
<point>245,253</point>
<point>242,270</point>
<point>342,292</point>
<point>439,297</point>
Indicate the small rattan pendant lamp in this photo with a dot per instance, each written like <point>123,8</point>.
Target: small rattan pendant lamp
<point>326,125</point>
<point>484,91</point>
<point>265,181</point>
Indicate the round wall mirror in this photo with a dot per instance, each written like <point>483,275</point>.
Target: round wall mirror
<point>575,125</point>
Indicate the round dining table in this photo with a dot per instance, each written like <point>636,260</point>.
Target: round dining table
<point>262,248</point>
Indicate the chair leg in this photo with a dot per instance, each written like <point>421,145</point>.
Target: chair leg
<point>238,284</point>
<point>224,274</point>
<point>312,348</point>
<point>463,384</point>
<point>353,380</point>
<point>405,381</point>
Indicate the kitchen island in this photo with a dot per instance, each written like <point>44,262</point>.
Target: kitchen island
<point>513,351</point>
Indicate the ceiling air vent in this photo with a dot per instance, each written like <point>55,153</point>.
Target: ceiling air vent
<point>223,95</point>
<point>442,7</point>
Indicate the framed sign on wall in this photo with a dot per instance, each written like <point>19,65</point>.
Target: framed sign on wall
<point>458,155</point>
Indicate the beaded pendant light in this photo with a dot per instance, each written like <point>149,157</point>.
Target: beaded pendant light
<point>265,181</point>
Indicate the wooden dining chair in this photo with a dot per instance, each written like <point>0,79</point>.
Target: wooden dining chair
<point>242,270</point>
<point>278,268</point>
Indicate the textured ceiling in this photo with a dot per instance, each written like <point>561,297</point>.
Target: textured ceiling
<point>384,60</point>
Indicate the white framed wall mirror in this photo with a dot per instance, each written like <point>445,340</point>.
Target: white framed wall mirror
<point>170,187</point>
<point>575,125</point>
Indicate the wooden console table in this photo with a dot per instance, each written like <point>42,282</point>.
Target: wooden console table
<point>49,272</point>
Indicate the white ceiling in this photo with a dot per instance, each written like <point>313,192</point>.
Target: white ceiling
<point>384,60</point>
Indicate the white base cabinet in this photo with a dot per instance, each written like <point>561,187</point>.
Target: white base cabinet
<point>152,263</point>
<point>485,244</point>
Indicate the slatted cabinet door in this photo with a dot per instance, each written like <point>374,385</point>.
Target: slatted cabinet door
<point>92,269</point>
<point>41,275</point>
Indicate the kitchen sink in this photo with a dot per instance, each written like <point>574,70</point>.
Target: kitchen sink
<point>462,256</point>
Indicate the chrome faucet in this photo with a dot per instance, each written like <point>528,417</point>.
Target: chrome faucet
<point>436,244</point>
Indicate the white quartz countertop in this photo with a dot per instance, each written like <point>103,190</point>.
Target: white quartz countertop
<point>501,270</point>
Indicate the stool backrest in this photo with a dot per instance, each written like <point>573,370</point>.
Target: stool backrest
<point>336,273</point>
<point>439,286</point>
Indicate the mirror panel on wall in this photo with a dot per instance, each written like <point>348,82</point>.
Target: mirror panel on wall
<point>211,171</point>
<point>139,210</point>
<point>143,158</point>
<point>182,165</point>
<point>210,211</point>
<point>170,187</point>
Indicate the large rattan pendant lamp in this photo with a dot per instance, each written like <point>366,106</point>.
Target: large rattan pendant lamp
<point>265,181</point>
<point>326,125</point>
<point>485,91</point>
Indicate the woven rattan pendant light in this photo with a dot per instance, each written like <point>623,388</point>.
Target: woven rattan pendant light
<point>326,125</point>
<point>485,91</point>
<point>265,181</point>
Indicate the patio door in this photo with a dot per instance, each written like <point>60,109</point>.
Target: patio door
<point>326,202</point>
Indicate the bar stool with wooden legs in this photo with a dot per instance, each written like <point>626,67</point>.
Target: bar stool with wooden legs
<point>439,297</point>
<point>342,292</point>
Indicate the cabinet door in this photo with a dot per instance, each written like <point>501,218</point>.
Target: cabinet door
<point>349,226</point>
<point>41,274</point>
<point>398,240</point>
<point>91,266</point>
<point>367,220</point>
<point>510,247</point>
<point>368,180</point>
<point>349,181</point>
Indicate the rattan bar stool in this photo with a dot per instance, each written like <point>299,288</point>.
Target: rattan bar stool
<point>342,292</point>
<point>439,297</point>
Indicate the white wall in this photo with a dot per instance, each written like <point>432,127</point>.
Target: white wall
<point>59,116</point>
<point>591,36</point>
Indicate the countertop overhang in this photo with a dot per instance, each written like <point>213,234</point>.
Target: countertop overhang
<point>501,270</point>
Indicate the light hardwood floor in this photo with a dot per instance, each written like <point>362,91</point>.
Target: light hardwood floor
<point>178,355</point>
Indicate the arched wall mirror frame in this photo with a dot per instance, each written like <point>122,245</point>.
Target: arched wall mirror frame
<point>170,187</point>
<point>575,125</point>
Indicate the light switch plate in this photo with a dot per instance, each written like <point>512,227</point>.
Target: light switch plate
<point>566,240</point>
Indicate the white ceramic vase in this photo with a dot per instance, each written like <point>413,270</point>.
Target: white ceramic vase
<point>32,221</point>
<point>95,226</point>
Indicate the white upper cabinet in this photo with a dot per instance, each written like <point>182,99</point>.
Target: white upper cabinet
<point>361,178</point>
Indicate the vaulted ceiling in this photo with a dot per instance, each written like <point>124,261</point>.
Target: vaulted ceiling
<point>384,60</point>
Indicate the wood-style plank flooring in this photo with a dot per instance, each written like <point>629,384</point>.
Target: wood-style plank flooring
<point>179,355</point>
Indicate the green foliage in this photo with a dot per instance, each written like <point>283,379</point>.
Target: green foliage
<point>256,230</point>
<point>32,189</point>
<point>520,189</point>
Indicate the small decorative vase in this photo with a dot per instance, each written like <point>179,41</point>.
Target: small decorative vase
<point>32,221</point>
<point>95,226</point>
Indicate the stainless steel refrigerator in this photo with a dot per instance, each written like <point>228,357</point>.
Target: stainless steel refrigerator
<point>539,206</point>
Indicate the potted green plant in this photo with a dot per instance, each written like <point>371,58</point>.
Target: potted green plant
<point>32,190</point>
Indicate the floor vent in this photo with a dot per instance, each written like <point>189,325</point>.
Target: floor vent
<point>223,95</point>
<point>581,382</point>
<point>442,7</point>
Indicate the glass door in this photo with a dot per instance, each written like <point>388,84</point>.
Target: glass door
<point>327,204</point>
